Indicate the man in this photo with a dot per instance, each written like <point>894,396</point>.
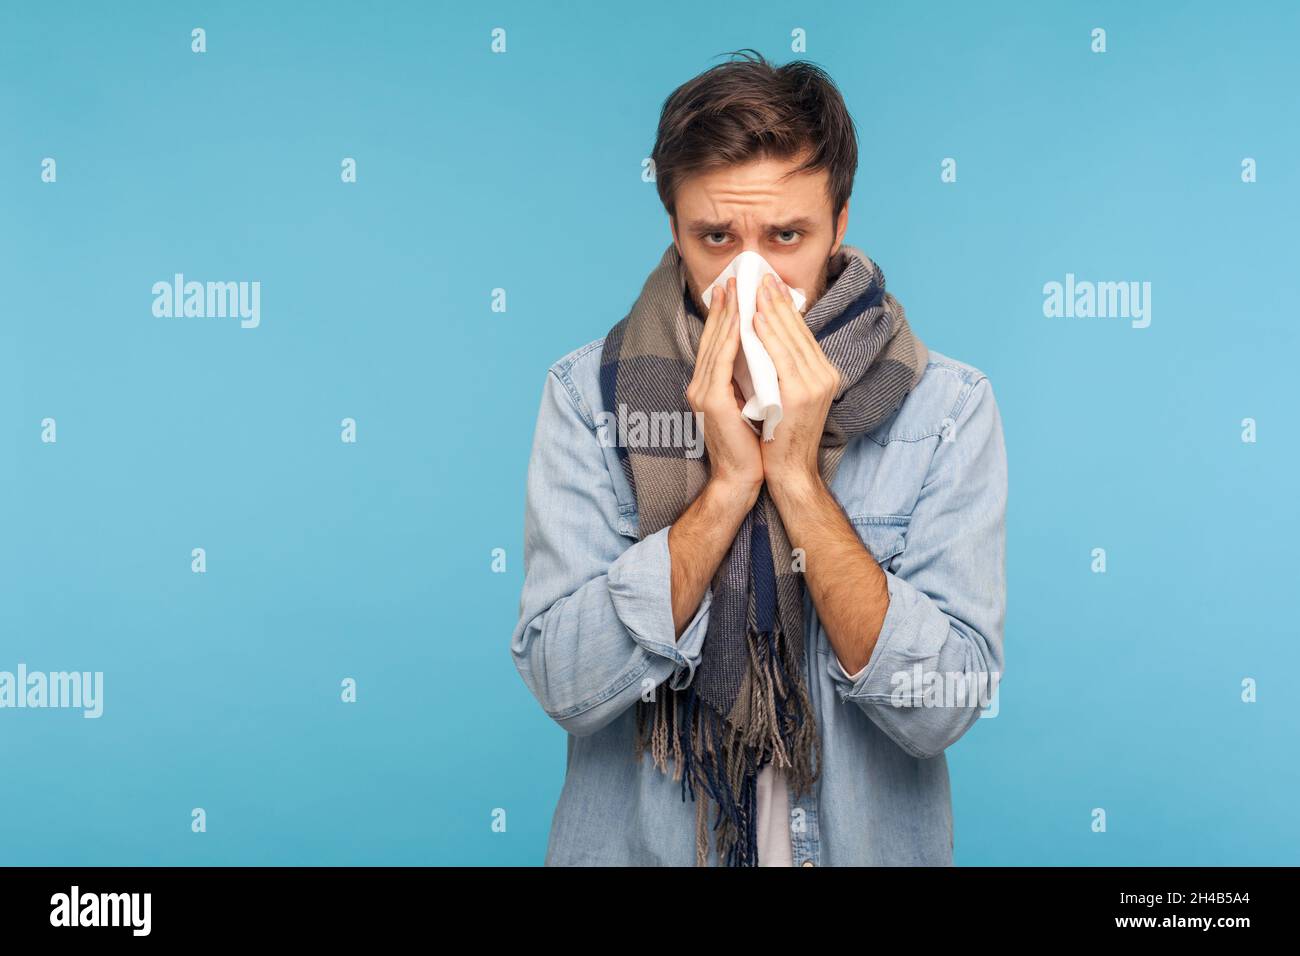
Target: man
<point>761,654</point>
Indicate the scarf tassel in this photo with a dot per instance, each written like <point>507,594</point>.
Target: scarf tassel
<point>714,759</point>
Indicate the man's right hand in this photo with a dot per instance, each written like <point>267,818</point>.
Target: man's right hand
<point>735,462</point>
<point>701,536</point>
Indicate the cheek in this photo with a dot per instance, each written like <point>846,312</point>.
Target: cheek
<point>695,290</point>
<point>799,275</point>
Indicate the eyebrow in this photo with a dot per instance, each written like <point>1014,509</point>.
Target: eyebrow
<point>703,225</point>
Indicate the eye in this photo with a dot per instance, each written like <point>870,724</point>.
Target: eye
<point>789,232</point>
<point>708,234</point>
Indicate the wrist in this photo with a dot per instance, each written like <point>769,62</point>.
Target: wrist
<point>733,493</point>
<point>795,484</point>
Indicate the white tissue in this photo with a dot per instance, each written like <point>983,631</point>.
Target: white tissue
<point>754,372</point>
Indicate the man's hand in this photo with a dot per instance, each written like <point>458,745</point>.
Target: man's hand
<point>734,458</point>
<point>809,383</point>
<point>701,536</point>
<point>846,584</point>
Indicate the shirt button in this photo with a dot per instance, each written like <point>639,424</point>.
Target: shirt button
<point>808,863</point>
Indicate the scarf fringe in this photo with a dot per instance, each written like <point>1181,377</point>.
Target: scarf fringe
<point>711,755</point>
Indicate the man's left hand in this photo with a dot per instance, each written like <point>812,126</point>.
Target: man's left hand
<point>808,381</point>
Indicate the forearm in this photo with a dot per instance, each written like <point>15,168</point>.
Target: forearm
<point>700,538</point>
<point>846,584</point>
<point>589,651</point>
<point>595,627</point>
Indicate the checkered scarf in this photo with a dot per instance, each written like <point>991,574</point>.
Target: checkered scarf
<point>747,704</point>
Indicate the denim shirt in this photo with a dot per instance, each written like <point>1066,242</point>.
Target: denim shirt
<point>926,491</point>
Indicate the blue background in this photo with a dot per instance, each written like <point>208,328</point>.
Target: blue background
<point>523,171</point>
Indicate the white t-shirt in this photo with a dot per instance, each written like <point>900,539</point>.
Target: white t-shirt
<point>774,848</point>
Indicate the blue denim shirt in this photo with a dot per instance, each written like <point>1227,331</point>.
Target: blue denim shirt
<point>927,493</point>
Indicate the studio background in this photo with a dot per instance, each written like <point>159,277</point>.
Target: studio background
<point>523,171</point>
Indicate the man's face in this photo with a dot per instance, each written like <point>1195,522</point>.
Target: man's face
<point>722,213</point>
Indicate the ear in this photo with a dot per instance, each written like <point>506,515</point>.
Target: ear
<point>841,227</point>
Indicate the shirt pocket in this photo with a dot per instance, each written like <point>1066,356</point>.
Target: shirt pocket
<point>885,536</point>
<point>626,523</point>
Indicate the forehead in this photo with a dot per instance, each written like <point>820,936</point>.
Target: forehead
<point>766,191</point>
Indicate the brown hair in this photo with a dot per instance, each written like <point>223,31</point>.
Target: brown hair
<point>749,109</point>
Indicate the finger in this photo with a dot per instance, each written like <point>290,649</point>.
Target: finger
<point>788,295</point>
<point>718,364</point>
<point>709,338</point>
<point>724,355</point>
<point>790,326</point>
<point>787,370</point>
<point>778,331</point>
<point>698,385</point>
<point>717,307</point>
<point>722,360</point>
<point>814,354</point>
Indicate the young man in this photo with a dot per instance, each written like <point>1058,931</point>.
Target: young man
<point>761,653</point>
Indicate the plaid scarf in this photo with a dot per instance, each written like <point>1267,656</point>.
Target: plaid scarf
<point>747,704</point>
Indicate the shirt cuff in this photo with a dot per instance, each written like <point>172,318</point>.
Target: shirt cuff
<point>852,677</point>
<point>908,637</point>
<point>640,587</point>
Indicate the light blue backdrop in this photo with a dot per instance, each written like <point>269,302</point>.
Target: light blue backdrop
<point>522,171</point>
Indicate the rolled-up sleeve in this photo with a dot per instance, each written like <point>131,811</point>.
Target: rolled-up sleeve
<point>939,655</point>
<point>595,623</point>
